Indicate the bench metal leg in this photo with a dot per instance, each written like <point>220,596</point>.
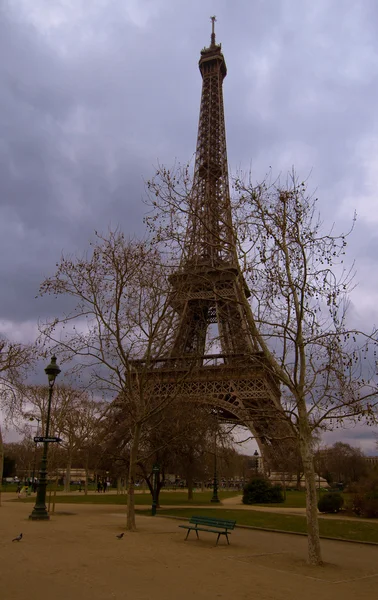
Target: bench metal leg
<point>226,534</point>
<point>219,534</point>
<point>192,529</point>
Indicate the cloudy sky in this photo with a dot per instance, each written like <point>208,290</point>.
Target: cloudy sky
<point>93,93</point>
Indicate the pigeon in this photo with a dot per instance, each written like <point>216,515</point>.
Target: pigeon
<point>120,536</point>
<point>18,538</point>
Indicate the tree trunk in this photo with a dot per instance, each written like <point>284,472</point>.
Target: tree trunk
<point>190,482</point>
<point>189,473</point>
<point>130,522</point>
<point>313,539</point>
<point>1,462</point>
<point>158,490</point>
<point>67,481</point>
<point>86,481</point>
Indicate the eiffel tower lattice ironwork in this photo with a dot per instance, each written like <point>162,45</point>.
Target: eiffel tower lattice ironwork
<point>208,288</point>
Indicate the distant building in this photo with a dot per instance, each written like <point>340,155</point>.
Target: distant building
<point>290,481</point>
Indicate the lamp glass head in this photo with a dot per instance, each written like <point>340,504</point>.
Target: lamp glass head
<point>52,370</point>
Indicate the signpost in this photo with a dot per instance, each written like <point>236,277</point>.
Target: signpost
<point>155,476</point>
<point>47,439</point>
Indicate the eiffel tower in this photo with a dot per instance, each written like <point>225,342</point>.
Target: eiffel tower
<point>209,291</point>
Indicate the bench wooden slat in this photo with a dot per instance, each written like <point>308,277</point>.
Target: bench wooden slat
<point>225,523</point>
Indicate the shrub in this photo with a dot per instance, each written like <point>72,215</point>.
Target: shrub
<point>260,491</point>
<point>364,501</point>
<point>331,503</point>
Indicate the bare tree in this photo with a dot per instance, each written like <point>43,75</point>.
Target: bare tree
<point>15,360</point>
<point>77,427</point>
<point>299,287</point>
<point>297,309</point>
<point>178,442</point>
<point>341,463</point>
<point>121,324</point>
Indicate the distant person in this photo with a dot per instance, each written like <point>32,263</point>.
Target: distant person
<point>104,486</point>
<point>99,486</point>
<point>23,491</point>
<point>18,488</point>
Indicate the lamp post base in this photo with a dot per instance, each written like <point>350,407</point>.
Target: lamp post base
<point>39,514</point>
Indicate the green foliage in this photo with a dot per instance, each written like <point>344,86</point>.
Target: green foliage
<point>330,503</point>
<point>364,501</point>
<point>260,491</point>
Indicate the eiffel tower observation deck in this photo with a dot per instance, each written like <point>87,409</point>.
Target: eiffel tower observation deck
<point>208,291</point>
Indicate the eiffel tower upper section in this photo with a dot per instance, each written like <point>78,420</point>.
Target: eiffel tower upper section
<point>210,238</point>
<point>208,287</point>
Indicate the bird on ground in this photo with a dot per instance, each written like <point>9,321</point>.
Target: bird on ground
<point>120,536</point>
<point>18,538</point>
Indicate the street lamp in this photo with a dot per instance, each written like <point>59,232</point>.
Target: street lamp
<point>215,482</point>
<point>40,511</point>
<point>256,461</point>
<point>155,475</point>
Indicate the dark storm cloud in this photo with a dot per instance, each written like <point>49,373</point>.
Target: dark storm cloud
<point>361,437</point>
<point>91,97</point>
<point>93,94</point>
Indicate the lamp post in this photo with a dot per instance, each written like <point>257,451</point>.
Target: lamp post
<point>215,482</point>
<point>256,461</point>
<point>155,476</point>
<point>40,511</point>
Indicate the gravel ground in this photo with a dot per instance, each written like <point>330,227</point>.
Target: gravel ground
<point>76,556</point>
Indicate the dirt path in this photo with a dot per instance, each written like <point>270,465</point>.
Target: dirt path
<point>76,556</point>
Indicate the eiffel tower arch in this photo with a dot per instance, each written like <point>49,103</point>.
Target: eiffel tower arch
<point>208,290</point>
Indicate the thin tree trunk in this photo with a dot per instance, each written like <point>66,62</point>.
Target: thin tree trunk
<point>1,462</point>
<point>190,482</point>
<point>130,521</point>
<point>86,477</point>
<point>158,490</point>
<point>67,481</point>
<point>313,539</point>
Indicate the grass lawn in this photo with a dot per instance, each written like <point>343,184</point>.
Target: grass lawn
<point>329,527</point>
<point>297,499</point>
<point>166,498</point>
<point>294,499</point>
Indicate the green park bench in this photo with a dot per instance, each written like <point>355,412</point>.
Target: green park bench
<point>210,524</point>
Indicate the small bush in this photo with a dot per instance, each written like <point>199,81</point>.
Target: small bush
<point>260,491</point>
<point>364,501</point>
<point>331,503</point>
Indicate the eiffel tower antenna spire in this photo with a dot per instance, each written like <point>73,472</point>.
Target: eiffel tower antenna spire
<point>213,19</point>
